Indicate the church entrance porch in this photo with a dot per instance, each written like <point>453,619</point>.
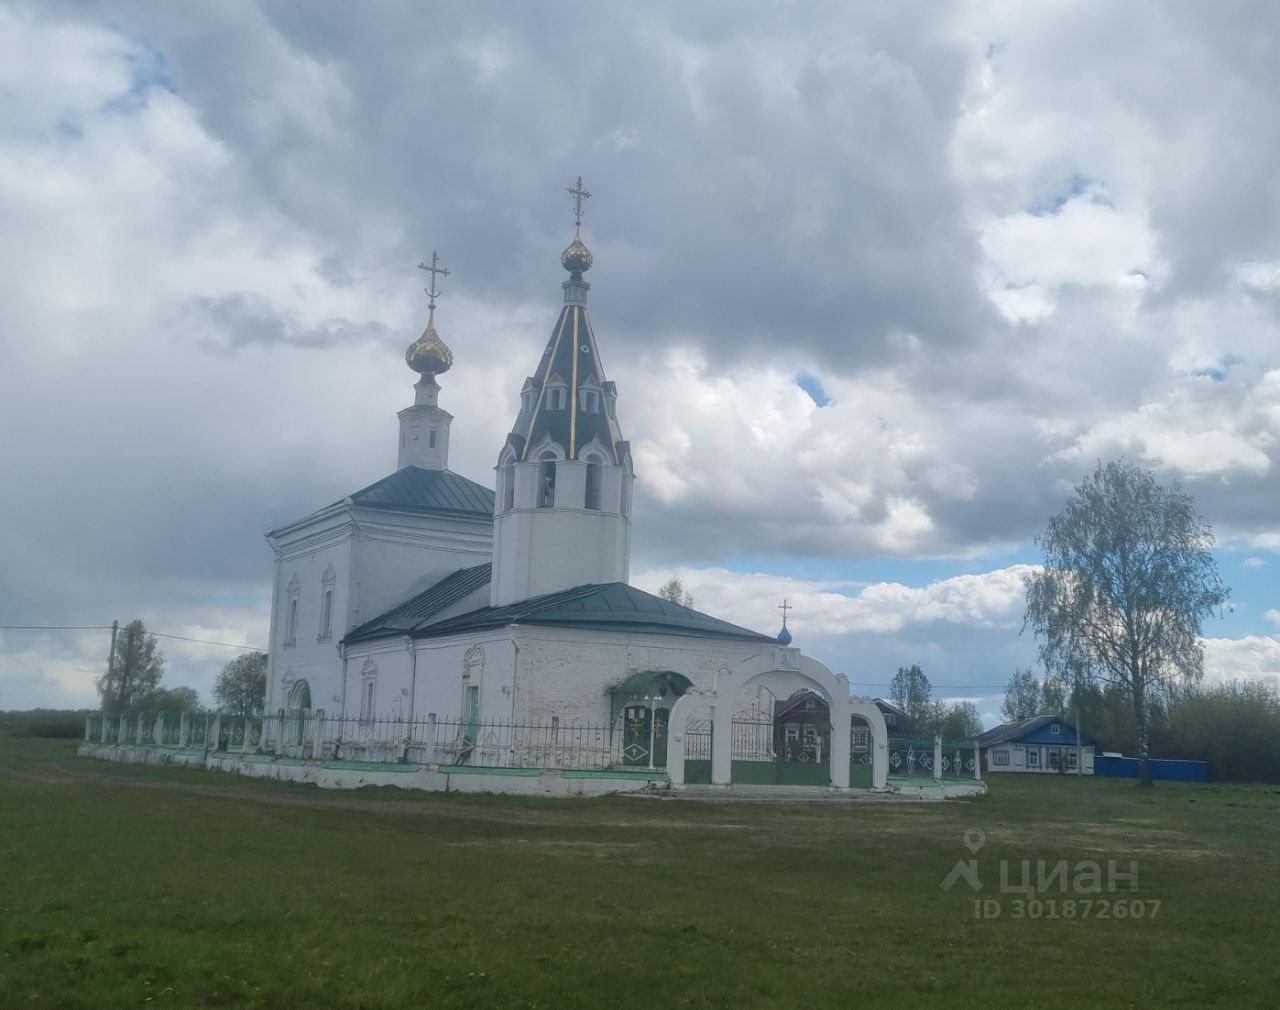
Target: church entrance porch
<point>640,713</point>
<point>644,735</point>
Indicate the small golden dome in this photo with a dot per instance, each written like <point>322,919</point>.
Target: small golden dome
<point>428,355</point>
<point>577,257</point>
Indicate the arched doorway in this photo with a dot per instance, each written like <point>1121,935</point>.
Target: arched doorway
<point>781,741</point>
<point>861,752</point>
<point>640,710</point>
<point>298,707</point>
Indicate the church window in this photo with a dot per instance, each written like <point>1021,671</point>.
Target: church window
<point>326,614</point>
<point>593,484</point>
<point>431,439</point>
<point>547,481</point>
<point>401,438</point>
<point>556,397</point>
<point>527,399</point>
<point>611,405</point>
<point>291,626</point>
<point>368,682</point>
<point>590,401</point>
<point>626,495</point>
<point>508,487</point>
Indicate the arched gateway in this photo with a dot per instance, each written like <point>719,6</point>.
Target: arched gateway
<point>782,674</point>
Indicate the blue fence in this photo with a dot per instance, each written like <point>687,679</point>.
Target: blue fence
<point>1161,768</point>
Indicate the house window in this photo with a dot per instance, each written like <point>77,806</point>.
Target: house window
<point>547,481</point>
<point>1000,757</point>
<point>1055,729</point>
<point>1073,760</point>
<point>326,614</point>
<point>1033,757</point>
<point>431,439</point>
<point>593,485</point>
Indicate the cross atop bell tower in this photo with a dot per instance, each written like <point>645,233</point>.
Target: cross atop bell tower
<point>579,193</point>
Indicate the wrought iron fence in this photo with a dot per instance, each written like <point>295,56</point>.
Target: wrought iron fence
<point>916,758</point>
<point>910,758</point>
<point>697,740</point>
<point>959,759</point>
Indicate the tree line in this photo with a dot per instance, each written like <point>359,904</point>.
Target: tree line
<point>911,691</point>
<point>1235,727</point>
<point>132,680</point>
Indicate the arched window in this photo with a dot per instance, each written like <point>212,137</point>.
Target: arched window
<point>326,614</point>
<point>594,473</point>
<point>368,685</point>
<point>291,626</point>
<point>626,495</point>
<point>547,480</point>
<point>508,487</point>
<point>431,439</point>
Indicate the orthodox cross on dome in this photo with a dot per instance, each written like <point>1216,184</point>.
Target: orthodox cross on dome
<point>784,636</point>
<point>437,269</point>
<point>579,193</point>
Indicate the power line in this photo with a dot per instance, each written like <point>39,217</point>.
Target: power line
<point>107,627</point>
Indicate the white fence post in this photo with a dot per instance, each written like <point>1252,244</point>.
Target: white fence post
<point>977,761</point>
<point>937,756</point>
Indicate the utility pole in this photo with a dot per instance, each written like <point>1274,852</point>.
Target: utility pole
<point>111,661</point>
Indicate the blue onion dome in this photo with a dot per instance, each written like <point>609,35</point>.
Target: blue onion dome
<point>784,636</point>
<point>428,355</point>
<point>577,257</point>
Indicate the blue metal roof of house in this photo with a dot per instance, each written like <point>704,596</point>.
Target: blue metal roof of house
<point>1034,730</point>
<point>418,489</point>
<point>613,606</point>
<point>418,611</point>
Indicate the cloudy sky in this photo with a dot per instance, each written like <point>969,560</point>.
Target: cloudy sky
<point>878,282</point>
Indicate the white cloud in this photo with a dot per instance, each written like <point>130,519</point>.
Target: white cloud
<point>990,600</point>
<point>1253,562</point>
<point>1252,657</point>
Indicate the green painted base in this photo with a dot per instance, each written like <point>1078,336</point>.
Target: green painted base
<point>697,773</point>
<point>779,773</point>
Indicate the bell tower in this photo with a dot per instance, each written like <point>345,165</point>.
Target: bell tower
<point>424,427</point>
<point>562,515</point>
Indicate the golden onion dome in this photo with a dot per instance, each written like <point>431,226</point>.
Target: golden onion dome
<point>577,257</point>
<point>428,355</point>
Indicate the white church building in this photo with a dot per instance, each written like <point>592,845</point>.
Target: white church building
<point>428,598</point>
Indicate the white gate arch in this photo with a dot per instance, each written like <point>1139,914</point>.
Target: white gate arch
<point>783,671</point>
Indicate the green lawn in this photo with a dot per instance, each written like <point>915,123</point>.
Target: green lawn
<point>143,887</point>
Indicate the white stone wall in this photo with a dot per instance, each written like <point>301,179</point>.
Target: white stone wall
<point>541,550</point>
<point>306,556</point>
<point>379,558</point>
<point>532,674</point>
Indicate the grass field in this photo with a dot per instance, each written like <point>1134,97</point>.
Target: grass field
<point>125,886</point>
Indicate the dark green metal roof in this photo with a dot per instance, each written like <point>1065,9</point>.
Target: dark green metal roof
<point>572,357</point>
<point>613,606</point>
<point>419,489</point>
<point>417,612</point>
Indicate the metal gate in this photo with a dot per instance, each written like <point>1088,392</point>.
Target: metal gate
<point>644,736</point>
